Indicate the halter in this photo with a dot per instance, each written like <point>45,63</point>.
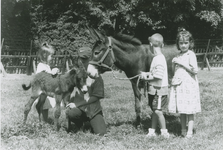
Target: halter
<point>101,61</point>
<point>101,64</point>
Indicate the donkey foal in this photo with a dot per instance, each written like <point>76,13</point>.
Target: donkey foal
<point>60,87</point>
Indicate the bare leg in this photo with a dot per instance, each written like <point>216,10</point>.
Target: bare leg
<point>183,121</point>
<point>28,107</point>
<point>160,117</point>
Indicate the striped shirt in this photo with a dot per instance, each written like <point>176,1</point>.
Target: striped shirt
<point>159,71</point>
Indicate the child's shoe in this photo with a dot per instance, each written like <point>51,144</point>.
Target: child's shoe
<point>189,135</point>
<point>164,133</point>
<point>151,133</point>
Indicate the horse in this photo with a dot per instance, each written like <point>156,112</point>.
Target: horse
<point>59,87</point>
<point>128,54</point>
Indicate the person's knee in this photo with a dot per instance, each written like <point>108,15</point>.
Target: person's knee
<point>98,125</point>
<point>73,113</point>
<point>158,112</point>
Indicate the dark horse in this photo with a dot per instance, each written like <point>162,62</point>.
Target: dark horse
<point>128,54</point>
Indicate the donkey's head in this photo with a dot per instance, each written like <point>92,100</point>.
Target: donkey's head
<point>80,75</point>
<point>102,54</point>
<point>79,78</point>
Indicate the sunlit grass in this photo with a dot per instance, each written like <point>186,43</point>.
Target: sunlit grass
<point>119,112</point>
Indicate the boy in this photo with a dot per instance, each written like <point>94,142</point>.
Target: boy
<point>158,86</point>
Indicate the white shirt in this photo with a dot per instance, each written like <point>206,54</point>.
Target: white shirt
<point>159,70</point>
<point>43,67</point>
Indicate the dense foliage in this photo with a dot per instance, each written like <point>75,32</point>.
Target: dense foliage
<point>62,22</point>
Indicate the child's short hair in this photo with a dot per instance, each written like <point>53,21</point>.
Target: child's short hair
<point>44,51</point>
<point>156,40</point>
<point>185,35</point>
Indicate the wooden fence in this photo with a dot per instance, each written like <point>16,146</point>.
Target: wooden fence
<point>24,61</point>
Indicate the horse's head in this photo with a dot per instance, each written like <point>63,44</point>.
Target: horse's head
<point>102,54</point>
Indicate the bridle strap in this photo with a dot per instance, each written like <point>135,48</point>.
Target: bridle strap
<point>109,50</point>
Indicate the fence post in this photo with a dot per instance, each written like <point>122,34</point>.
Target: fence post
<point>1,65</point>
<point>64,64</point>
<point>205,55</point>
<point>29,62</point>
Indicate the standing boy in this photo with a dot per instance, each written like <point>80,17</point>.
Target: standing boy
<point>158,86</point>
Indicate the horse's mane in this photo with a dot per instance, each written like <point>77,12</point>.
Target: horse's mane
<point>127,42</point>
<point>127,39</point>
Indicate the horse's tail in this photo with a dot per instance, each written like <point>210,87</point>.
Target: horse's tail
<point>26,87</point>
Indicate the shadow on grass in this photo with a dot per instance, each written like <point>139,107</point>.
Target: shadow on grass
<point>172,124</point>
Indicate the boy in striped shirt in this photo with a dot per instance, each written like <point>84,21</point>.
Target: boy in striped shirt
<point>158,86</point>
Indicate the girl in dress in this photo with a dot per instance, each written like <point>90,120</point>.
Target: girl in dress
<point>45,55</point>
<point>184,93</point>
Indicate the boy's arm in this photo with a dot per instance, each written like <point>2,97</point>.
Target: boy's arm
<point>156,74</point>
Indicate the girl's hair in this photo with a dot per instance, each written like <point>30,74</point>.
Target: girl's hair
<point>44,51</point>
<point>184,34</point>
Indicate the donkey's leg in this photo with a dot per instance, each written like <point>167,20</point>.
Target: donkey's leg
<point>39,106</point>
<point>138,103</point>
<point>57,112</point>
<point>28,107</point>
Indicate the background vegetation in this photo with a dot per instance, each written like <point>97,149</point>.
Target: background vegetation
<point>61,22</point>
<point>118,108</point>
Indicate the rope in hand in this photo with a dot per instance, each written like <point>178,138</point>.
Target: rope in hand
<point>137,84</point>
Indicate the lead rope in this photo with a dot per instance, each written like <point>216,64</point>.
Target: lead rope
<point>137,83</point>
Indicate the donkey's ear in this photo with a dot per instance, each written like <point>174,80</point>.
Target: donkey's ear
<point>100,36</point>
<point>95,34</point>
<point>73,71</point>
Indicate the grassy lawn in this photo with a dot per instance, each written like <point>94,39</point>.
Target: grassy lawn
<point>119,113</point>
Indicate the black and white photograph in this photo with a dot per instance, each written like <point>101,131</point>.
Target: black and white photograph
<point>111,75</point>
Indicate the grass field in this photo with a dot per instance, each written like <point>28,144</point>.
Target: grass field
<point>119,112</point>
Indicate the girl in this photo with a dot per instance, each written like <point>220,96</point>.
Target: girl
<point>184,93</point>
<point>45,54</point>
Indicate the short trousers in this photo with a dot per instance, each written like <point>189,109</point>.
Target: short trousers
<point>157,103</point>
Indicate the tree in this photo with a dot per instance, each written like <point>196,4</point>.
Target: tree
<point>62,22</point>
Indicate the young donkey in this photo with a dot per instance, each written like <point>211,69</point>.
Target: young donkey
<point>59,87</point>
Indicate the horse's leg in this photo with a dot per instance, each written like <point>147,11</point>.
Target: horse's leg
<point>57,112</point>
<point>138,104</point>
<point>28,107</point>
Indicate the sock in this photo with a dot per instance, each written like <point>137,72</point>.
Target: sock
<point>189,132</point>
<point>164,131</point>
<point>151,131</point>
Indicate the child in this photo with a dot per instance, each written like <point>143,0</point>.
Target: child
<point>184,93</point>
<point>158,86</point>
<point>45,54</point>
